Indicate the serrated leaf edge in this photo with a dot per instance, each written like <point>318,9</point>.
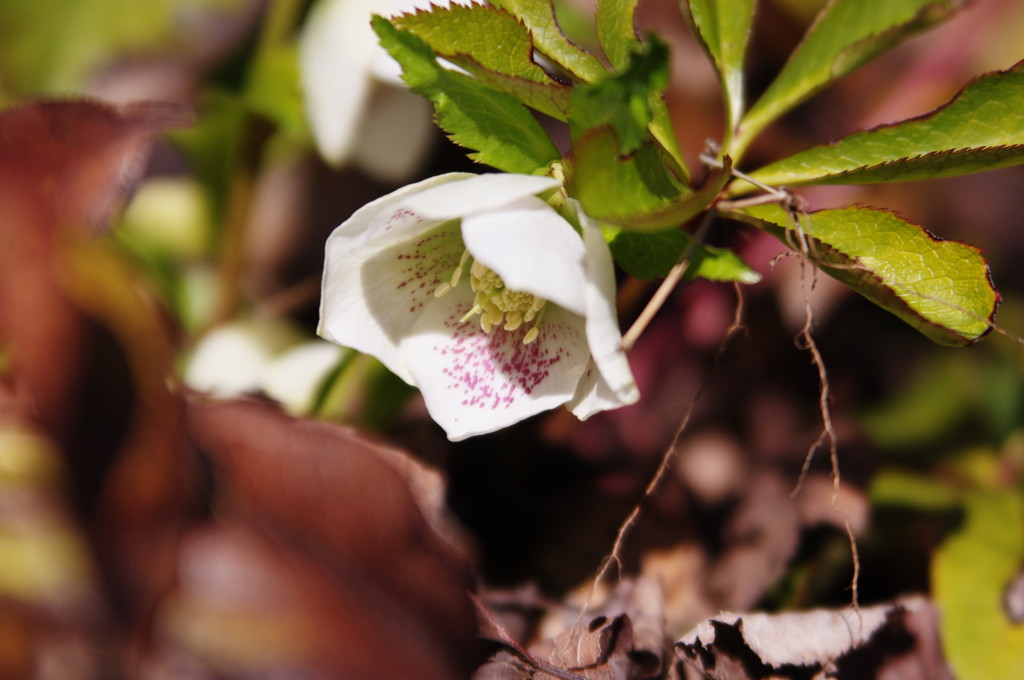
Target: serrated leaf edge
<point>910,161</point>
<point>761,172</point>
<point>761,121</point>
<point>395,21</point>
<point>844,263</point>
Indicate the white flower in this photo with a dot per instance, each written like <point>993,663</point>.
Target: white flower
<point>418,278</point>
<point>357,106</point>
<point>262,357</point>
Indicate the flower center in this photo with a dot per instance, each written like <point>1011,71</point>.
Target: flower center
<point>496,304</point>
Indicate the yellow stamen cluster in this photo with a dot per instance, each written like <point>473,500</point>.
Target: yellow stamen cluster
<point>496,304</point>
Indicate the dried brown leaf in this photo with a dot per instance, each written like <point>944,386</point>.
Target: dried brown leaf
<point>883,641</point>
<point>330,492</point>
<point>763,535</point>
<point>601,650</point>
<point>623,637</point>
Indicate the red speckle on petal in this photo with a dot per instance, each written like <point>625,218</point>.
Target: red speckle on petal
<point>493,371</point>
<point>415,269</point>
<point>401,216</point>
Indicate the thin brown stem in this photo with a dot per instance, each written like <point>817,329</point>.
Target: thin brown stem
<point>615,556</point>
<point>667,285</point>
<point>828,434</point>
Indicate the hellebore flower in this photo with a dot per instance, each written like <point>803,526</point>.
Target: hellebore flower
<point>480,294</point>
<point>262,356</point>
<point>357,105</point>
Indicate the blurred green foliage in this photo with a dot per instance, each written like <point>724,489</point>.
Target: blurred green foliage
<point>50,46</point>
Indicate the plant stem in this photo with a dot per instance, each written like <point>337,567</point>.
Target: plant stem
<point>673,277</point>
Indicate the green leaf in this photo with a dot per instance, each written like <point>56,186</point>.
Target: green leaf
<point>646,255</point>
<point>723,28</point>
<point>361,391</point>
<point>212,147</point>
<point>847,34</point>
<point>623,99</point>
<point>631,102</point>
<point>650,255</point>
<point>491,37</point>
<point>636,191</point>
<point>494,46</point>
<point>610,186</point>
<point>616,30</point>
<point>499,129</point>
<point>552,99</point>
<point>970,575</point>
<point>925,411</point>
<point>539,17</point>
<point>721,264</point>
<point>941,288</point>
<point>272,88</point>
<point>661,130</point>
<point>982,128</point>
<point>922,492</point>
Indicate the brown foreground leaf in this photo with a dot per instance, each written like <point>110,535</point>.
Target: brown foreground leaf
<point>64,166</point>
<point>320,504</point>
<point>304,554</point>
<point>89,358</point>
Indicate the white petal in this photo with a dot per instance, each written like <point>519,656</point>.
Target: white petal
<point>610,382</point>
<point>388,220</point>
<point>372,297</point>
<point>593,394</point>
<point>386,70</point>
<point>395,136</point>
<point>294,377</point>
<point>377,267</point>
<point>377,278</point>
<point>532,249</point>
<point>228,361</point>
<point>478,193</point>
<point>474,383</point>
<point>336,50</point>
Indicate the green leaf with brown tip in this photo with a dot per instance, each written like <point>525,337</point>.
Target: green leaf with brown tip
<point>942,288</point>
<point>846,35</point>
<point>982,128</point>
